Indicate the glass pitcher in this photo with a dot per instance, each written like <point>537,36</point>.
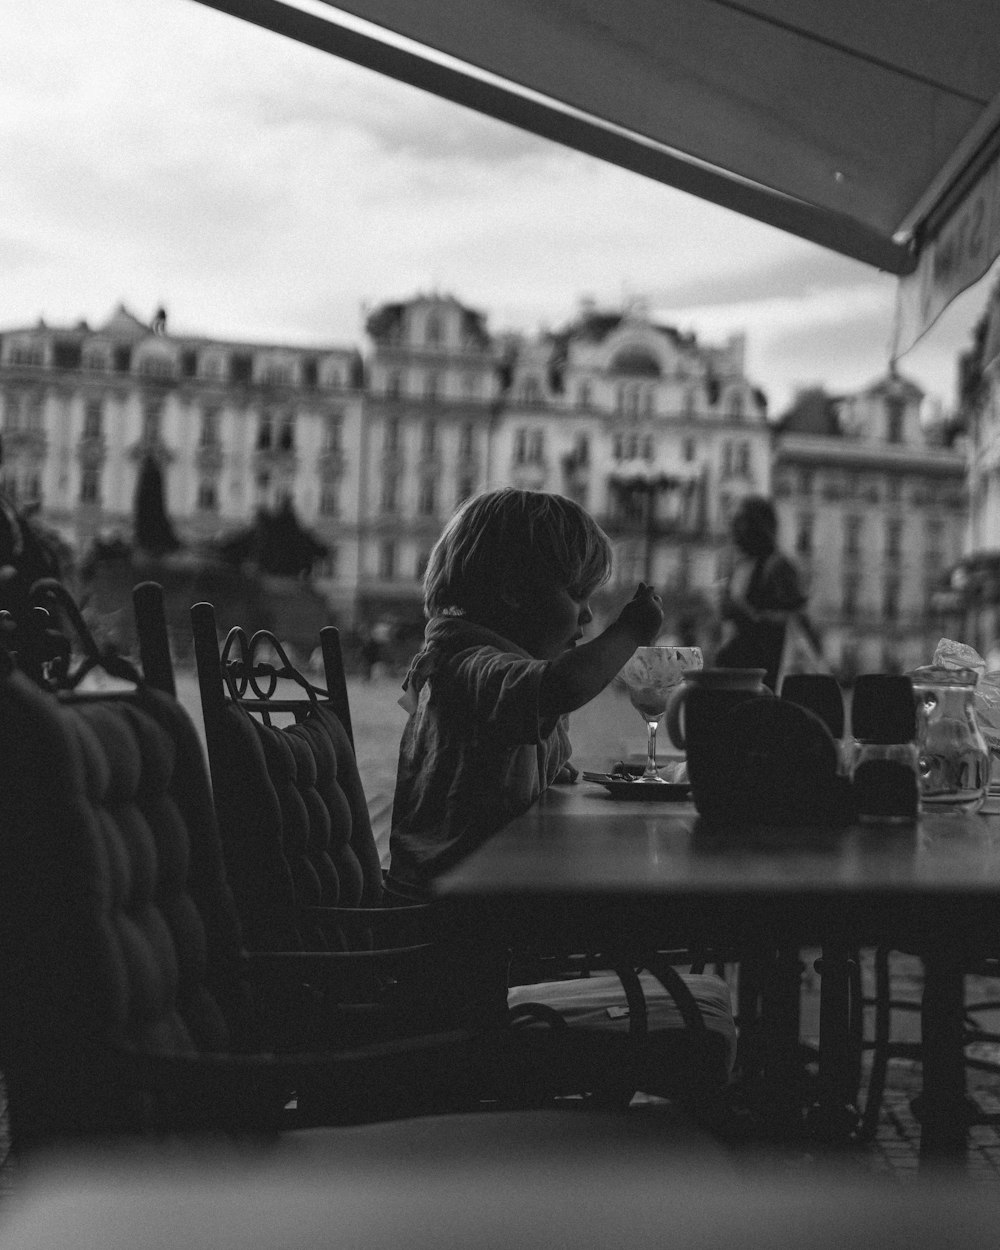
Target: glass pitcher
<point>954,762</point>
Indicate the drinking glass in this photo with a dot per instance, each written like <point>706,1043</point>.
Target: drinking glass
<point>650,676</point>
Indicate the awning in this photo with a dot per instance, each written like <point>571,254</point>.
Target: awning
<point>871,128</point>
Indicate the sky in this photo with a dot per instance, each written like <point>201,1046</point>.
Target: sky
<point>157,152</point>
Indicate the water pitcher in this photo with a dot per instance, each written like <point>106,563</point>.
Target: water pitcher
<point>954,763</point>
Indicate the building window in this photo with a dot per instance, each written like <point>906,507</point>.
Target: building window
<point>464,490</point>
<point>890,600</point>
<point>393,385</point>
<point>93,419</point>
<point>333,433</point>
<point>433,330</point>
<point>617,447</point>
<point>90,485</point>
<point>208,498</point>
<point>277,375</point>
<point>265,433</point>
<point>209,436</point>
<point>743,458</point>
<point>804,535</point>
<point>432,386</point>
<point>520,445</point>
<point>427,499</point>
<point>581,452</point>
<point>689,449</point>
<point>262,485</point>
<point>736,406</point>
<point>893,531</point>
<point>26,354</point>
<point>470,386</point>
<point>536,446</point>
<point>392,435</point>
<point>97,362</point>
<point>387,561</point>
<point>850,601</point>
<point>805,481</point>
<point>852,535</point>
<point>390,492</point>
<point>466,441</point>
<point>583,395</point>
<point>12,413</point>
<point>329,565</point>
<point>286,438</point>
<point>894,412</point>
<point>430,437</point>
<point>647,449</point>
<point>152,422</point>
<point>329,500</point>
<point>423,559</point>
<point>156,367</point>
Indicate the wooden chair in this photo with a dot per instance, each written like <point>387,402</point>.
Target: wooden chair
<point>130,1003</point>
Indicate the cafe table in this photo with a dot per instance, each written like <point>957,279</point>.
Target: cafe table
<point>583,867</point>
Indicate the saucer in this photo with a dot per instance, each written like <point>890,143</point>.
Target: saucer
<point>645,792</point>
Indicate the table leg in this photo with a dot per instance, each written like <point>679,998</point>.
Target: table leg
<point>944,1118</point>
<point>780,1109</point>
<point>834,1118</point>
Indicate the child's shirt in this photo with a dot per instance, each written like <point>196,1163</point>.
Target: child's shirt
<point>475,752</point>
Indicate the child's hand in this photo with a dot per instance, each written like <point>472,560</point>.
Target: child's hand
<point>643,614</point>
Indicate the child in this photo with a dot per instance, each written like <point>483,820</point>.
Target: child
<point>506,590</point>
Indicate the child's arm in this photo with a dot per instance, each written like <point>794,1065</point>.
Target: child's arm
<point>577,676</point>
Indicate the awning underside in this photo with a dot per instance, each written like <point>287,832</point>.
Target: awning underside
<point>847,122</point>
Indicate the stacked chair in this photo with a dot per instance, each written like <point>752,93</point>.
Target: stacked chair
<point>130,1003</point>
<point>300,856</point>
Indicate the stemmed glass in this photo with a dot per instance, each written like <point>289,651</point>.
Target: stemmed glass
<point>650,676</point>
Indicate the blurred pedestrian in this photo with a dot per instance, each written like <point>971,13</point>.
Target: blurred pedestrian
<point>762,595</point>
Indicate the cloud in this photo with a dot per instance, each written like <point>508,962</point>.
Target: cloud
<point>166,152</point>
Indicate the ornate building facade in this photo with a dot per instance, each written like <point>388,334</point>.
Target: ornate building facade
<point>234,427</point>
<point>659,436</point>
<point>874,508</point>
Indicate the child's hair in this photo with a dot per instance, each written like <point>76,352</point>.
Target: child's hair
<point>505,543</point>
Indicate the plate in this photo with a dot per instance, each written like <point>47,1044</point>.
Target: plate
<point>669,792</point>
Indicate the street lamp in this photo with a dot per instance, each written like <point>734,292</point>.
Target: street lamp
<point>657,500</point>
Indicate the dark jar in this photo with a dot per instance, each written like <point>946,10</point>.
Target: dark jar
<point>885,768</point>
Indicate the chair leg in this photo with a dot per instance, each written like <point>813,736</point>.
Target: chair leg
<point>880,1053</point>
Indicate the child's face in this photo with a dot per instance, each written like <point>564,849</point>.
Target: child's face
<point>552,622</point>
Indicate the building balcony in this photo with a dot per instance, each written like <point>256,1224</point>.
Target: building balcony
<point>28,444</point>
<point>282,458</point>
<point>154,447</point>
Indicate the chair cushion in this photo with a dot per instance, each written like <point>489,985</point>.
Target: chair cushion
<point>99,867</point>
<point>295,826</point>
<point>109,866</point>
<point>674,1057</point>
